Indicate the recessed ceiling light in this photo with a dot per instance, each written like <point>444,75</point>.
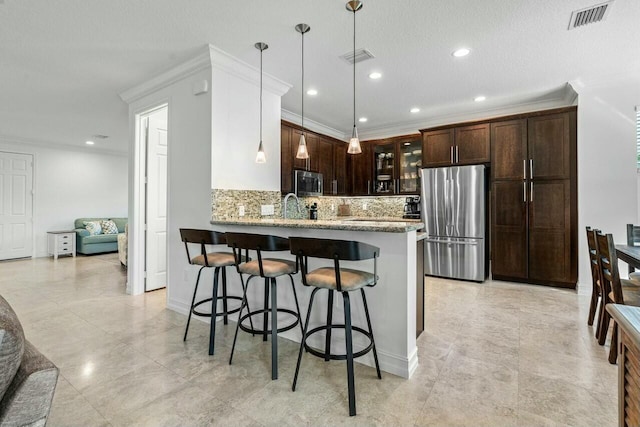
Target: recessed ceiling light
<point>362,119</point>
<point>375,75</point>
<point>461,52</point>
<point>89,142</point>
<point>312,92</point>
<point>415,110</point>
<point>480,98</point>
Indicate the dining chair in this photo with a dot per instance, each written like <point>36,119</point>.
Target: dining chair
<point>633,238</point>
<point>614,289</point>
<point>596,292</point>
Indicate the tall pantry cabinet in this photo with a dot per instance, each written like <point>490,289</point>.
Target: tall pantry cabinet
<point>534,199</point>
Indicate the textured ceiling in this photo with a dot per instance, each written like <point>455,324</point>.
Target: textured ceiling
<point>64,62</point>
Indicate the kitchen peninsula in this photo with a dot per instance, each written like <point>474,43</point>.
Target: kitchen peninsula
<point>392,302</point>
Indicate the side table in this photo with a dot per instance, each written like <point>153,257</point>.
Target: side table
<point>61,243</point>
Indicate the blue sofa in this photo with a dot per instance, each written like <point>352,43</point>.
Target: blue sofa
<point>101,243</point>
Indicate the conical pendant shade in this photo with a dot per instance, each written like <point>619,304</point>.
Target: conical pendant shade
<point>260,157</point>
<point>302,149</point>
<point>354,142</point>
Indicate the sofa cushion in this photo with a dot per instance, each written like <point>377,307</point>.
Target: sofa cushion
<point>108,227</point>
<point>120,223</point>
<point>100,238</point>
<point>11,345</point>
<point>93,227</point>
<point>28,400</point>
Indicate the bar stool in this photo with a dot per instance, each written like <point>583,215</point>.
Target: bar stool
<point>269,269</point>
<point>343,280</point>
<point>218,261</point>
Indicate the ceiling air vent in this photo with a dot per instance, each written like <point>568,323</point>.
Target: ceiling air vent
<point>360,55</point>
<point>582,17</point>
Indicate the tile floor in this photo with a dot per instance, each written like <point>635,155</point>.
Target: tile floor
<point>493,354</point>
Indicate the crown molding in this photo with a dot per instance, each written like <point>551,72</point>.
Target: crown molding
<point>313,125</point>
<point>222,61</point>
<point>200,62</point>
<point>17,140</point>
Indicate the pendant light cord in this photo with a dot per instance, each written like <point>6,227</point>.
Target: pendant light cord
<point>302,89</point>
<point>354,67</point>
<point>261,95</point>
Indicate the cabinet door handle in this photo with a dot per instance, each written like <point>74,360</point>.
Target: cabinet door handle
<point>457,154</point>
<point>531,195</point>
<point>524,191</point>
<point>368,187</point>
<point>530,168</point>
<point>451,154</point>
<point>524,169</point>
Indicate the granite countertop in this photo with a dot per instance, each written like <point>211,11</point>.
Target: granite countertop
<point>386,225</point>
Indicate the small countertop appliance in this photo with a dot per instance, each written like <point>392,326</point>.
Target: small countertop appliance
<point>412,208</point>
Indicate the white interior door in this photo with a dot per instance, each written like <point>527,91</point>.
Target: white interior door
<point>156,209</point>
<point>16,205</point>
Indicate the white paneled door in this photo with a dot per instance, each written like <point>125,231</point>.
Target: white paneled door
<point>156,245</point>
<point>16,205</point>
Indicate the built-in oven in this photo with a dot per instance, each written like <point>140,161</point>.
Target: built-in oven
<point>307,183</point>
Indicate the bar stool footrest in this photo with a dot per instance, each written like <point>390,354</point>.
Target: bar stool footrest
<point>268,310</point>
<point>220,313</point>
<point>322,355</point>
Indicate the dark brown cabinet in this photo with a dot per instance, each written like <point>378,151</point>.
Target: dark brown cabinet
<point>325,156</point>
<point>533,200</point>
<point>464,145</point>
<point>395,165</point>
<point>360,168</point>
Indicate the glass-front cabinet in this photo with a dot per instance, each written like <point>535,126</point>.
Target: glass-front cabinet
<point>396,165</point>
<point>384,179</point>
<point>410,161</point>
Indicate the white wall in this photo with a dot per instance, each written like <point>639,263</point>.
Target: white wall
<point>607,177</point>
<point>188,174</point>
<point>72,183</point>
<point>235,124</point>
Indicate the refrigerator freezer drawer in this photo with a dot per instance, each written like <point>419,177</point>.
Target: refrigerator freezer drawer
<point>455,258</point>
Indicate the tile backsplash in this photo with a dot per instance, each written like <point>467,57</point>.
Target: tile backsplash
<point>225,204</point>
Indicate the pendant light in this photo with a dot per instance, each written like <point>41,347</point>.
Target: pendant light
<point>302,153</point>
<point>354,142</point>
<point>260,157</point>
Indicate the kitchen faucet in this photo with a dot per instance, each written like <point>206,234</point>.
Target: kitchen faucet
<point>286,199</point>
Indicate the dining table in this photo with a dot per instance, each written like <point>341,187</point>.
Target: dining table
<point>629,254</point>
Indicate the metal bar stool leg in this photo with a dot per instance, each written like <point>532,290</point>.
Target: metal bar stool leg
<point>349,344</point>
<point>274,330</point>
<point>193,300</point>
<point>214,311</point>
<point>366,312</point>
<point>224,296</point>
<point>304,336</point>
<point>327,344</point>
<point>265,320</point>
<point>242,305</point>
<point>295,297</point>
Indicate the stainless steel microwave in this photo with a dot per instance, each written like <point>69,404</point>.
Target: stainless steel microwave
<point>307,183</point>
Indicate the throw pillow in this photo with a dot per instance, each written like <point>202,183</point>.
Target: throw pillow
<point>93,227</point>
<point>109,227</point>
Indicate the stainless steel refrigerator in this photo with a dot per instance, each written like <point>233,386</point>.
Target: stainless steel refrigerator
<point>454,204</point>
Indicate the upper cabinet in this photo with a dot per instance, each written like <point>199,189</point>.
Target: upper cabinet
<point>326,156</point>
<point>395,164</point>
<point>464,145</point>
<point>360,168</point>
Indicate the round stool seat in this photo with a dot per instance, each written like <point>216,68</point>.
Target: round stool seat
<point>215,259</point>
<point>350,280</point>
<point>272,267</point>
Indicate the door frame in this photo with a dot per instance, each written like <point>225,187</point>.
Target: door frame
<point>137,198</point>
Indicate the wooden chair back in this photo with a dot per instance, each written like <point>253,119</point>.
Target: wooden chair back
<point>633,234</point>
<point>593,256</point>
<point>608,265</point>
